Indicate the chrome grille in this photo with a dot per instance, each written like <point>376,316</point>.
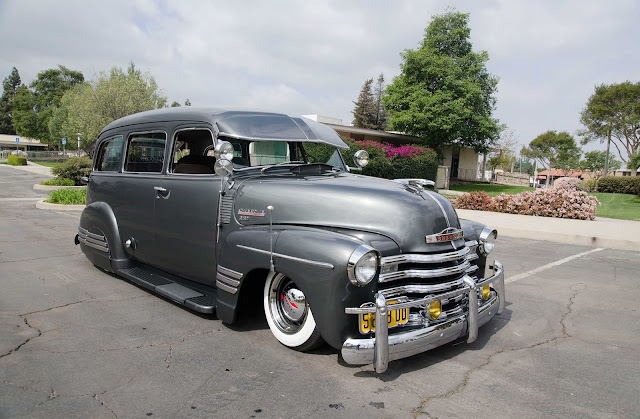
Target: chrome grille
<point>415,277</point>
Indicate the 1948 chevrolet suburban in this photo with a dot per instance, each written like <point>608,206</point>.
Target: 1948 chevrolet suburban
<point>203,205</point>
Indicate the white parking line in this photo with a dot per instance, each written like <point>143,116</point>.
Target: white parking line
<point>550,265</point>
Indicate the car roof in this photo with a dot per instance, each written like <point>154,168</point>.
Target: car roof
<point>241,124</point>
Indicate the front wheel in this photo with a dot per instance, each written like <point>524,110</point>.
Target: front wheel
<point>289,315</point>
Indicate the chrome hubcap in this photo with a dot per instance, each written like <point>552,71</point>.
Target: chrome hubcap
<point>288,304</point>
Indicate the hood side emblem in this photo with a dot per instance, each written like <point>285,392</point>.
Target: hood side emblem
<point>448,234</point>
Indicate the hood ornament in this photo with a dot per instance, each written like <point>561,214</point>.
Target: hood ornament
<point>446,235</point>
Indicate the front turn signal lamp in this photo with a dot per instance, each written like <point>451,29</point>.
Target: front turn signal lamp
<point>486,292</point>
<point>435,309</point>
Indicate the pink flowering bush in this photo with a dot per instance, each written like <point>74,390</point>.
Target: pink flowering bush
<point>567,183</point>
<point>561,202</point>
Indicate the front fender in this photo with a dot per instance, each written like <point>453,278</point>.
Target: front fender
<point>315,259</point>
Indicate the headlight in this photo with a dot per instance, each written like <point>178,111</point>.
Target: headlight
<point>363,265</point>
<point>361,158</point>
<point>487,240</point>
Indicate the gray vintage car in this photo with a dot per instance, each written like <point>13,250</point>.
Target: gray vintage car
<point>205,206</point>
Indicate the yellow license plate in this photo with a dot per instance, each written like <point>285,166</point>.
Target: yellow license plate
<point>394,318</point>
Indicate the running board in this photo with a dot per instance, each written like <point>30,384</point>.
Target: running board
<point>203,302</point>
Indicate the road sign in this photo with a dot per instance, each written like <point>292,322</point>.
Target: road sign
<point>17,140</point>
<point>64,141</point>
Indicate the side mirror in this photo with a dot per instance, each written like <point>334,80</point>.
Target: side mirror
<point>84,180</point>
<point>361,158</point>
<point>223,167</point>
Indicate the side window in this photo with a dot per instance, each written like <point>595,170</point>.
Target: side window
<point>193,152</point>
<point>109,155</point>
<point>145,152</point>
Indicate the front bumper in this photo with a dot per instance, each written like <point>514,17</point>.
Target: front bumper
<point>384,348</point>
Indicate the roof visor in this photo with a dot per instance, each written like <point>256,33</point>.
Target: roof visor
<point>259,126</point>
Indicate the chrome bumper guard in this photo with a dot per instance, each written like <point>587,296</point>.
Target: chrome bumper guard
<point>384,348</point>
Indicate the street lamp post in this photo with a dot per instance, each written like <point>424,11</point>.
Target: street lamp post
<point>78,134</point>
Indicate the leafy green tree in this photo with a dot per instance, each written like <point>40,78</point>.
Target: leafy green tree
<point>594,161</point>
<point>187,102</point>
<point>364,112</point>
<point>613,114</point>
<point>89,107</point>
<point>175,104</point>
<point>444,94</point>
<point>554,150</point>
<point>9,87</point>
<point>33,106</point>
<point>634,162</point>
<point>382,116</point>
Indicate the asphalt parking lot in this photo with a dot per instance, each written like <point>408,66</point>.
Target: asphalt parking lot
<point>77,342</point>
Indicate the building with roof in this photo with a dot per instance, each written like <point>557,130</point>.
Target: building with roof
<point>8,142</point>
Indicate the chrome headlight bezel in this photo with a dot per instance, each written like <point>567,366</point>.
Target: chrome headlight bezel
<point>487,240</point>
<point>362,254</point>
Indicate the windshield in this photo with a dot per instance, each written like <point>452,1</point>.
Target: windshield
<point>266,153</point>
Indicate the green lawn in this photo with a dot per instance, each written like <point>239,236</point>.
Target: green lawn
<point>492,190</point>
<point>618,205</point>
<point>48,163</point>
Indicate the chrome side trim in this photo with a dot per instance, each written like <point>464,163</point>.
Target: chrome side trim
<point>226,288</point>
<point>419,258</point>
<point>227,280</point>
<point>293,258</point>
<point>228,272</point>
<point>425,273</point>
<point>94,246</point>
<point>92,235</point>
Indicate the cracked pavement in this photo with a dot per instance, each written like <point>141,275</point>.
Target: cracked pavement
<point>77,342</point>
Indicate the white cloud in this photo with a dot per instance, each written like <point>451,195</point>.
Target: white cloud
<point>313,57</point>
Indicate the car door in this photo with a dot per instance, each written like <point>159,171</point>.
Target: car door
<point>185,217</point>
<point>140,188</point>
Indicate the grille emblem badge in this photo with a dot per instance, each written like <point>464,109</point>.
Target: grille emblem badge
<point>446,235</point>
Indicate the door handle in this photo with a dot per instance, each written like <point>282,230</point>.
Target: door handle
<point>161,192</point>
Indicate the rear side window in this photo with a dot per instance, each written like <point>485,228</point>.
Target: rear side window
<point>110,155</point>
<point>145,152</point>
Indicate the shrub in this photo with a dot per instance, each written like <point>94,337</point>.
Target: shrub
<point>17,160</point>
<point>619,184</point>
<point>58,181</point>
<point>390,162</point>
<point>74,168</point>
<point>68,197</point>
<point>567,183</point>
<point>588,185</point>
<point>556,202</point>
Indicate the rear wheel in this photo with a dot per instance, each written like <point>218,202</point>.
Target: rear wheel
<point>289,315</point>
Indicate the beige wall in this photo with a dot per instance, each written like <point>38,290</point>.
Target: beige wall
<point>467,162</point>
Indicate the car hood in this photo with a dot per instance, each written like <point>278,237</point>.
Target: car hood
<point>347,201</point>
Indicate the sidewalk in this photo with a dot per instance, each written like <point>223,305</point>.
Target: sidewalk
<point>602,232</point>
<point>33,168</point>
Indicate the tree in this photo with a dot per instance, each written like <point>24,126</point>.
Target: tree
<point>187,102</point>
<point>554,150</point>
<point>612,114</point>
<point>33,106</point>
<point>89,107</point>
<point>381,113</point>
<point>444,94</point>
<point>9,87</point>
<point>503,154</point>
<point>594,161</point>
<point>175,104</point>
<point>364,113</point>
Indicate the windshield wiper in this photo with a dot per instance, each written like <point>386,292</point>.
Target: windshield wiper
<point>280,164</point>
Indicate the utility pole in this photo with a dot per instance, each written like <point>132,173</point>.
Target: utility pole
<point>606,160</point>
<point>78,134</point>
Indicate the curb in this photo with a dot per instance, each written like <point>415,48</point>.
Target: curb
<point>58,207</point>
<point>49,188</point>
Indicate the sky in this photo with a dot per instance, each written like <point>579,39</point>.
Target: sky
<point>303,57</point>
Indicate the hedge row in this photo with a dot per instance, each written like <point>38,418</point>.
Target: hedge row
<point>17,160</point>
<point>619,184</point>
